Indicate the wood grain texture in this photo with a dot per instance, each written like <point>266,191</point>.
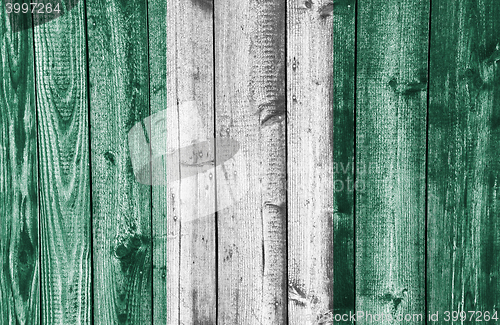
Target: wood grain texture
<point>162,17</point>
<point>19,249</point>
<point>181,48</point>
<point>464,158</point>
<point>390,157</point>
<point>166,204</point>
<point>64,178</point>
<point>119,82</point>
<point>310,123</point>
<point>194,64</point>
<point>251,109</point>
<point>344,16</point>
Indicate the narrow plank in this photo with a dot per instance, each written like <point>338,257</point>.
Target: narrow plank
<point>194,37</point>
<point>391,115</point>
<point>464,159</point>
<point>344,16</point>
<point>251,188</point>
<point>64,177</point>
<point>181,47</point>
<point>19,250</point>
<point>118,76</point>
<point>162,16</point>
<point>198,264</point>
<point>313,213</point>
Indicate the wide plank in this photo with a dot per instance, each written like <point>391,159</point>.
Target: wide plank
<point>19,236</point>
<point>391,110</point>
<point>312,123</point>
<point>121,206</point>
<point>64,178</point>
<point>464,160</point>
<point>181,48</point>
<point>250,108</point>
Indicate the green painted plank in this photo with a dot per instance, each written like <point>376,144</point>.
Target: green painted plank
<point>121,206</point>
<point>181,47</point>
<point>250,67</point>
<point>63,132</point>
<point>162,18</point>
<point>391,112</point>
<point>312,216</point>
<point>464,159</point>
<point>344,15</point>
<point>19,249</point>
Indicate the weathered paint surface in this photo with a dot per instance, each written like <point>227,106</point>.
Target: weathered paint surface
<point>310,166</point>
<point>464,158</point>
<point>121,207</point>
<point>364,174</point>
<point>64,173</point>
<point>19,231</point>
<point>250,107</point>
<point>391,112</point>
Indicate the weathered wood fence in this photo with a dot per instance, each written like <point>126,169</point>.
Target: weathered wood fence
<point>368,165</point>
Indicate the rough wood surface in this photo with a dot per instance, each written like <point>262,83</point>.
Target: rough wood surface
<point>19,249</point>
<point>310,125</point>
<point>194,64</point>
<point>250,107</point>
<point>390,158</point>
<point>63,130</point>
<point>166,204</point>
<point>344,74</point>
<point>464,158</point>
<point>339,179</point>
<point>118,77</point>
<point>181,53</point>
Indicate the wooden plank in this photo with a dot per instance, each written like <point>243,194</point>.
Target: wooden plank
<point>119,82</point>
<point>63,132</point>
<point>194,37</point>
<point>344,16</point>
<point>391,114</point>
<point>464,159</point>
<point>181,47</point>
<point>166,205</point>
<point>19,249</point>
<point>251,195</point>
<point>313,213</point>
<point>166,232</point>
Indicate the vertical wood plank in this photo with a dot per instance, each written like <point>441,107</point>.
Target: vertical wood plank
<point>313,215</point>
<point>344,16</point>
<point>162,18</point>
<point>181,47</point>
<point>118,76</point>
<point>63,132</point>
<point>464,158</point>
<point>251,109</point>
<point>19,250</point>
<point>194,63</point>
<point>391,144</point>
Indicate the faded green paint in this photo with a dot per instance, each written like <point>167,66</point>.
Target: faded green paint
<point>464,158</point>
<point>343,92</point>
<point>121,207</point>
<point>19,271</point>
<point>126,255</point>
<point>390,157</point>
<point>64,175</point>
